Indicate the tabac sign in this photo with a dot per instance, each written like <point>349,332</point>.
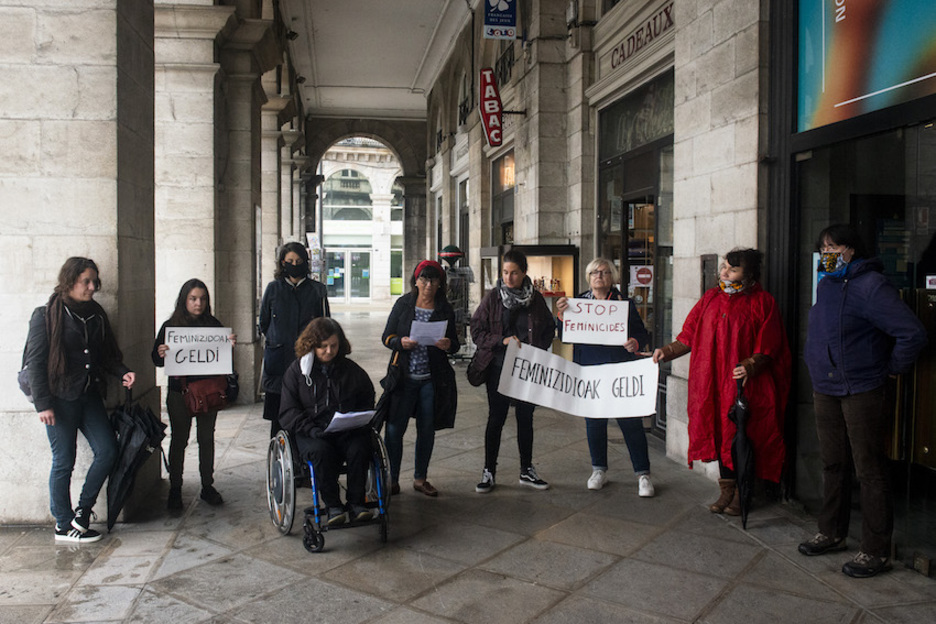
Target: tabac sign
<point>492,111</point>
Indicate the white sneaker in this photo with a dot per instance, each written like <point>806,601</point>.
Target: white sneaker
<point>597,480</point>
<point>644,487</point>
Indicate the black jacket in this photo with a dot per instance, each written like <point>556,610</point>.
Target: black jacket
<point>284,312</point>
<point>175,383</point>
<point>445,394</point>
<point>312,395</point>
<point>85,360</point>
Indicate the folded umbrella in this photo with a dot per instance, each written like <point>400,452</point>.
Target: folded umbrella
<point>742,452</point>
<point>139,434</point>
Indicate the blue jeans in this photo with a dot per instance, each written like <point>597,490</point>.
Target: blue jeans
<point>416,396</point>
<point>85,414</point>
<point>596,429</point>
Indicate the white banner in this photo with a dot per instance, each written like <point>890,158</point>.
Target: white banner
<point>199,351</point>
<point>590,321</point>
<point>625,390</point>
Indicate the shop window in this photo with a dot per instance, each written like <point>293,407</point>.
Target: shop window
<point>463,212</point>
<point>503,190</point>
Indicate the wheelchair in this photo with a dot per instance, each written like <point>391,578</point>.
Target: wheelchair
<point>285,474</point>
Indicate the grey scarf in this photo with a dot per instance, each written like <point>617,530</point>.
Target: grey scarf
<point>516,298</point>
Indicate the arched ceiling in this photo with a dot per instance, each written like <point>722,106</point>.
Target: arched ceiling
<point>371,58</point>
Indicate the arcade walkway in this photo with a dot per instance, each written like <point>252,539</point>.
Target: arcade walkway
<point>514,555</point>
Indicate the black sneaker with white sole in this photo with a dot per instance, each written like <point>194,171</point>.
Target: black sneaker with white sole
<point>82,519</point>
<point>529,478</point>
<point>71,535</point>
<point>487,482</point>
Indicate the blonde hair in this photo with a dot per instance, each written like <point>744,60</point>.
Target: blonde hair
<point>597,262</point>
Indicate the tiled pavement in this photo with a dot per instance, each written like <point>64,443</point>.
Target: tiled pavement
<point>515,555</point>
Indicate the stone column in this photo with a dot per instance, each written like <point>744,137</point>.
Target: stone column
<point>76,179</point>
<point>186,200</point>
<point>271,235</point>
<point>380,245</point>
<point>245,56</point>
<point>414,222</point>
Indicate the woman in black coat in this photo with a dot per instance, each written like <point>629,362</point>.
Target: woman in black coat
<point>290,301</point>
<point>321,382</point>
<point>70,349</point>
<point>426,388</point>
<point>192,309</point>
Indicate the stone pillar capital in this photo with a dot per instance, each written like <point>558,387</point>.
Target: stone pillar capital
<point>253,43</point>
<point>192,22</point>
<point>413,186</point>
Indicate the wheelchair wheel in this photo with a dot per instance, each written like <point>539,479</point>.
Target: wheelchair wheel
<point>281,485</point>
<point>382,472</point>
<point>385,526</point>
<point>312,539</point>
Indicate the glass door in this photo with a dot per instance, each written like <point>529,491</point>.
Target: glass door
<point>335,275</point>
<point>347,275</point>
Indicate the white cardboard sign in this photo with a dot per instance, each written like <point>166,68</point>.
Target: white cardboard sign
<point>594,321</point>
<point>624,390</point>
<point>199,351</point>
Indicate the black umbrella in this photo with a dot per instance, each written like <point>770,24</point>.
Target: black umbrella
<point>139,435</point>
<point>742,452</point>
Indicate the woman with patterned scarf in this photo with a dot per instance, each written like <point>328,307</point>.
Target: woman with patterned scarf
<point>513,310</point>
<point>735,332</point>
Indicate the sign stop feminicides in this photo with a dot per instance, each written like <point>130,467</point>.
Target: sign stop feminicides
<point>491,108</point>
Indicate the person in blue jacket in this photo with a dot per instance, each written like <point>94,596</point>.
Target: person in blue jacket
<point>602,275</point>
<point>860,332</point>
<point>290,301</point>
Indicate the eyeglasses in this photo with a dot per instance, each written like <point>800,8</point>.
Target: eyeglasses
<point>425,280</point>
<point>600,273</point>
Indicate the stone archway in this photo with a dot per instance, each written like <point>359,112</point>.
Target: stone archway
<point>407,139</point>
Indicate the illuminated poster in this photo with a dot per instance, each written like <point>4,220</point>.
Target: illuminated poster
<point>858,56</point>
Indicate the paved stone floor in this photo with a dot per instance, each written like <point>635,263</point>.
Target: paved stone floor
<point>514,555</point>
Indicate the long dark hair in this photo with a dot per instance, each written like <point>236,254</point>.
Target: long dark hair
<point>318,331</point>
<point>298,249</point>
<point>180,316</point>
<point>55,313</point>
<point>517,257</point>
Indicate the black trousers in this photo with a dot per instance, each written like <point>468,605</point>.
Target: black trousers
<point>180,423</point>
<point>328,453</point>
<point>498,406</point>
<point>852,432</point>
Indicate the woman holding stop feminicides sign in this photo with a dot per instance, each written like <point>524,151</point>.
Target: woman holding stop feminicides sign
<point>602,275</point>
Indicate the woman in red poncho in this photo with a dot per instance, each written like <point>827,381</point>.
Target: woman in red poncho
<point>735,332</point>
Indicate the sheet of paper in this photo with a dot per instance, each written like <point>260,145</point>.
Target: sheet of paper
<point>427,333</point>
<point>351,420</point>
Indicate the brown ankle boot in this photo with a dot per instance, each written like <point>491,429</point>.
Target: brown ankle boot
<point>734,507</point>
<point>728,492</point>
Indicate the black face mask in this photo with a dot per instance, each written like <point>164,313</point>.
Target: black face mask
<point>294,271</point>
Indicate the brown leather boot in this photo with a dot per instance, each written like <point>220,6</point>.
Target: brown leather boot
<point>728,492</point>
<point>734,507</point>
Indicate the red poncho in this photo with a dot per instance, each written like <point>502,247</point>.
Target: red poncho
<point>722,330</point>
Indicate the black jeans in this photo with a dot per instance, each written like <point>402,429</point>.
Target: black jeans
<point>328,452</point>
<point>180,424</point>
<point>271,409</point>
<point>498,405</point>
<point>852,432</point>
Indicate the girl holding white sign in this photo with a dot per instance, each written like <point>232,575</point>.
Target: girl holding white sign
<point>512,311</point>
<point>602,275</point>
<point>192,309</point>
<point>427,390</point>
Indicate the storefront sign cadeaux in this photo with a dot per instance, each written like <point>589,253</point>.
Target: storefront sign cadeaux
<point>491,108</point>
<point>625,390</point>
<point>199,351</point>
<point>647,31</point>
<point>590,321</point>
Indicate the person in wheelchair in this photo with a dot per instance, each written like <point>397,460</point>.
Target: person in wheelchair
<point>322,381</point>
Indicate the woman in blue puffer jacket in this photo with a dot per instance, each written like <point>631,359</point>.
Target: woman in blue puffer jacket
<point>860,332</point>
